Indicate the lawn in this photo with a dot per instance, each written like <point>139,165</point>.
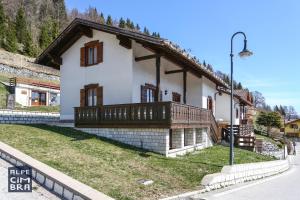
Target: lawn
<point>39,108</point>
<point>113,168</point>
<point>3,95</point>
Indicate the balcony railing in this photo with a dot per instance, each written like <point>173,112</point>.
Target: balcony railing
<point>147,115</point>
<point>156,114</point>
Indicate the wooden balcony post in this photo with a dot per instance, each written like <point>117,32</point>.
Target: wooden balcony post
<point>157,96</point>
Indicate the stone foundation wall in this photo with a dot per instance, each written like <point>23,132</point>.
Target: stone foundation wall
<point>25,117</point>
<point>153,139</point>
<point>189,137</point>
<point>177,138</point>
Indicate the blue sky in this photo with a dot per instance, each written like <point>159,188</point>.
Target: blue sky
<point>206,26</point>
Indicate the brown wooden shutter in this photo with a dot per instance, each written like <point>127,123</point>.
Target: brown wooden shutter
<point>143,94</point>
<point>82,56</point>
<point>99,52</point>
<point>99,93</point>
<point>82,98</point>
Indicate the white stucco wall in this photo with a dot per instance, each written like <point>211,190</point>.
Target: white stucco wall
<point>25,99</point>
<point>223,109</point>
<point>114,73</point>
<point>145,72</point>
<point>208,89</point>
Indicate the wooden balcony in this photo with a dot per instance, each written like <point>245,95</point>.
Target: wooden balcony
<point>147,115</point>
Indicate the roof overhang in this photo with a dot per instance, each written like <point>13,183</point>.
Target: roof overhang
<point>51,56</point>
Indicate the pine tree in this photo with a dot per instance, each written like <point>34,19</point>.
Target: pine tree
<point>60,14</point>
<point>45,36</point>
<point>204,63</point>
<point>54,29</point>
<point>109,20</point>
<point>158,35</point>
<point>131,25</point>
<point>128,22</point>
<point>29,48</point>
<point>239,86</point>
<point>2,25</point>
<point>102,19</point>
<point>137,27</point>
<point>10,38</point>
<point>146,31</point>
<point>21,25</point>
<point>122,23</point>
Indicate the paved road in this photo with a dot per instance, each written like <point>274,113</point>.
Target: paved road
<point>39,193</point>
<point>285,186</point>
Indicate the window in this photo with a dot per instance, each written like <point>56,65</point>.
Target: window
<point>148,93</point>
<point>176,97</point>
<point>91,53</point>
<point>91,95</point>
<point>236,113</point>
<point>294,126</point>
<point>38,98</point>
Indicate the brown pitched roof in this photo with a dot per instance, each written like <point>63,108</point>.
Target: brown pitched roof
<point>245,96</point>
<point>292,121</point>
<point>79,27</point>
<point>37,83</point>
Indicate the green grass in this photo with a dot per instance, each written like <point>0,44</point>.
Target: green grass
<point>3,95</point>
<point>40,108</point>
<point>115,168</point>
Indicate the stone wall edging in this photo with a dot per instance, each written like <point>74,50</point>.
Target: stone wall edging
<point>53,180</point>
<point>240,173</point>
<point>26,117</point>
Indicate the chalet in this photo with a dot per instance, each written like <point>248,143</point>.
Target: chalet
<point>32,92</point>
<point>292,128</point>
<point>134,88</point>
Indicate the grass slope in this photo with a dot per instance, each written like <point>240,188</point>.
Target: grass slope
<point>3,95</point>
<point>114,168</point>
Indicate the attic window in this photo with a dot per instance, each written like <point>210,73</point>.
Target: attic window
<point>91,53</point>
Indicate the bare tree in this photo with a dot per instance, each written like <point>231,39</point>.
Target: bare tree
<point>259,99</point>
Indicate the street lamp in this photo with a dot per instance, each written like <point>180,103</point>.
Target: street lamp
<point>244,53</point>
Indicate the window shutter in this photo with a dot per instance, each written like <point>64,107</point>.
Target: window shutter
<point>99,96</point>
<point>99,52</point>
<point>143,94</point>
<point>82,56</point>
<point>82,98</point>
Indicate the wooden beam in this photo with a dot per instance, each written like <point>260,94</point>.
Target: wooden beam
<point>184,86</point>
<point>124,41</point>
<point>174,71</point>
<point>137,59</point>
<point>157,96</point>
<point>88,32</point>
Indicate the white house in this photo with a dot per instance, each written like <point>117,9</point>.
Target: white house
<point>134,88</point>
<point>30,92</point>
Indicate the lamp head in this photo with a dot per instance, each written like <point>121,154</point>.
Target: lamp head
<point>245,52</point>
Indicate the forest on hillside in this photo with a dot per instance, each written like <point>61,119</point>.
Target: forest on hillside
<point>29,26</point>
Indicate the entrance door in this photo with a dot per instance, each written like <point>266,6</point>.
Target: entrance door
<point>38,98</point>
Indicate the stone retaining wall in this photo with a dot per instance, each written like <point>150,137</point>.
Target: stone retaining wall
<point>231,175</point>
<point>25,117</point>
<point>55,181</point>
<point>153,139</point>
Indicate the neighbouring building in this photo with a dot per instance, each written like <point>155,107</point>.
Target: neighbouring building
<point>33,92</point>
<point>292,128</point>
<point>134,88</point>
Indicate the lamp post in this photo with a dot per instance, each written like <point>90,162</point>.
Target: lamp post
<point>244,53</point>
